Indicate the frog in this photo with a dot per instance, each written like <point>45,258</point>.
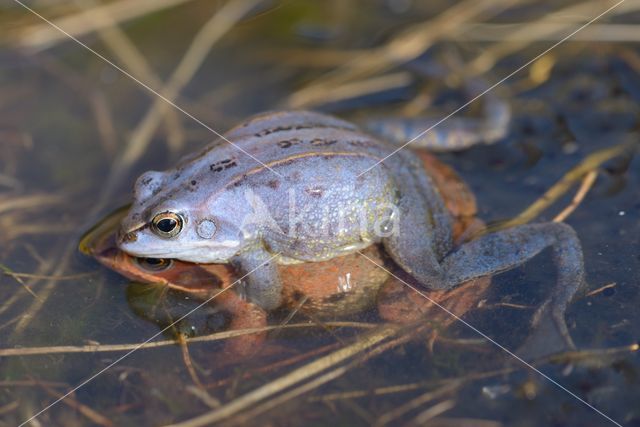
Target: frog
<point>195,212</point>
<point>319,288</point>
<point>342,286</point>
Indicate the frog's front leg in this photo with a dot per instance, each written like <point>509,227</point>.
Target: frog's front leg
<point>262,281</point>
<point>504,250</point>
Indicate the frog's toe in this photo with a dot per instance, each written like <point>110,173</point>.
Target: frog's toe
<point>549,334</point>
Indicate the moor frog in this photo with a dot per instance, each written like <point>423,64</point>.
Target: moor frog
<point>330,289</point>
<point>323,188</point>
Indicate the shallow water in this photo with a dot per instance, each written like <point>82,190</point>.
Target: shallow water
<point>58,152</point>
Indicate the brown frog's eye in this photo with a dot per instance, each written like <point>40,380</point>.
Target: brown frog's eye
<point>167,224</point>
<point>155,264</point>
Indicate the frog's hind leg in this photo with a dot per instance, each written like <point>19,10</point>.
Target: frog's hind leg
<point>422,229</point>
<point>509,248</point>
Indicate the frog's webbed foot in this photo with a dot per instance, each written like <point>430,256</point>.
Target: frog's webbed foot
<point>549,333</point>
<point>262,281</point>
<point>507,249</point>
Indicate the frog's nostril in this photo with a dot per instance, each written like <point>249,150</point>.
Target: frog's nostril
<point>128,237</point>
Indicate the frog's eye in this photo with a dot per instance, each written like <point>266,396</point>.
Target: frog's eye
<point>167,224</point>
<point>155,264</point>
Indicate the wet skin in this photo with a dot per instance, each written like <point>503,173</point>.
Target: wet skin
<point>338,287</point>
<point>319,158</point>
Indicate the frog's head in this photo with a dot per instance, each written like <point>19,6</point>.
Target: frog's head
<point>167,220</point>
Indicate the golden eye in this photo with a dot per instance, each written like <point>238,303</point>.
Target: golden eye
<point>167,224</point>
<point>155,264</point>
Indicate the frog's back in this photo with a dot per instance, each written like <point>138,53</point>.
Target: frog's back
<point>270,142</point>
<point>281,121</point>
<point>271,148</point>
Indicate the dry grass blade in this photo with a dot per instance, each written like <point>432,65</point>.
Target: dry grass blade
<point>15,216</point>
<point>561,358</point>
<point>44,267</point>
<point>91,414</point>
<point>302,57</point>
<point>293,312</point>
<point>593,358</point>
<point>9,407</point>
<point>548,31</point>
<point>365,87</point>
<point>516,40</point>
<point>417,402</point>
<point>32,201</point>
<point>600,289</point>
<point>246,417</point>
<point>95,348</point>
<point>463,422</point>
<point>9,322</point>
<point>7,271</point>
<point>44,276</point>
<point>272,367</point>
<point>17,230</point>
<point>273,402</point>
<point>353,394</point>
<point>45,292</point>
<point>43,36</point>
<point>188,363</point>
<point>406,46</point>
<point>121,46</point>
<point>292,378</point>
<point>104,122</point>
<point>589,164</point>
<point>432,412</point>
<point>212,31</point>
<point>585,186</point>
<point>203,396</point>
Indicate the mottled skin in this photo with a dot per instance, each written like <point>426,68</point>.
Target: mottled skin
<point>319,160</point>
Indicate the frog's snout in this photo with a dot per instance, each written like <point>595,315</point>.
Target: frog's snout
<point>129,228</point>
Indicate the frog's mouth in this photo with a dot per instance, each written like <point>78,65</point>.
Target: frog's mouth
<point>145,246</point>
